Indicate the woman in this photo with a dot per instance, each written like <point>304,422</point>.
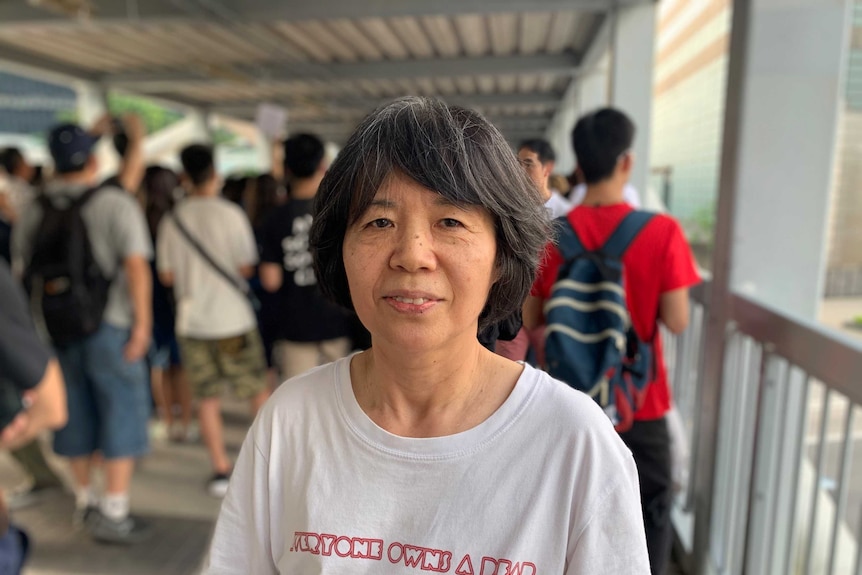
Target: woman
<point>427,451</point>
<point>167,378</point>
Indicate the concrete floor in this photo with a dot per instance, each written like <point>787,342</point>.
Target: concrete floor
<point>168,491</point>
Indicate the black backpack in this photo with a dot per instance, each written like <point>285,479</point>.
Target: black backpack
<point>68,290</point>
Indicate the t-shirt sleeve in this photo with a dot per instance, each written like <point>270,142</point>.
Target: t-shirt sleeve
<point>616,524</point>
<point>242,542</point>
<point>631,196</point>
<point>271,251</point>
<point>679,269</point>
<point>130,233</point>
<point>23,357</point>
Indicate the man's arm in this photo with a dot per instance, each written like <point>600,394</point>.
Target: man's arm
<point>47,409</point>
<point>132,164</point>
<point>532,313</point>
<point>246,271</point>
<point>7,210</point>
<point>277,157</point>
<point>141,293</point>
<point>27,365</point>
<point>673,309</point>
<point>271,276</point>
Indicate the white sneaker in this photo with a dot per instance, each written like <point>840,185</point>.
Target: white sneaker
<point>158,431</point>
<point>217,485</point>
<point>193,433</point>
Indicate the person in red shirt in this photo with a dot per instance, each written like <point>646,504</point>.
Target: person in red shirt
<point>658,269</point>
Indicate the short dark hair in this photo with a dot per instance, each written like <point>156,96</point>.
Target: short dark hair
<point>452,151</point>
<point>599,139</point>
<point>302,155</point>
<point>11,159</point>
<point>542,149</point>
<point>198,163</point>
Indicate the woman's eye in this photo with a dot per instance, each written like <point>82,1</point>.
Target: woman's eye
<point>380,223</point>
<point>451,223</point>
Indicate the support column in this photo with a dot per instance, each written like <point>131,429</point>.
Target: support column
<point>631,80</point>
<point>200,129</point>
<point>92,102</point>
<point>796,62</point>
<point>784,80</point>
<point>92,105</point>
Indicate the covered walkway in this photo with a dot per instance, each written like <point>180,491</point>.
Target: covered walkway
<point>769,393</point>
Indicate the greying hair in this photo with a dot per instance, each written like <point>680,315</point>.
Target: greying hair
<point>452,151</point>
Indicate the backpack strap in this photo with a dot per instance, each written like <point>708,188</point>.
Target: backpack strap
<point>86,196</point>
<point>625,233</point>
<point>568,242</point>
<point>74,202</point>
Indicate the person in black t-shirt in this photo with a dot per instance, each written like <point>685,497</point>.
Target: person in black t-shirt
<point>32,394</point>
<point>311,330</point>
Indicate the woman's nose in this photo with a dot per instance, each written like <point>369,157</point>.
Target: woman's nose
<point>413,251</point>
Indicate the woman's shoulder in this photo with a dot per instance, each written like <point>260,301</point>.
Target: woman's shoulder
<point>574,414</point>
<point>310,385</point>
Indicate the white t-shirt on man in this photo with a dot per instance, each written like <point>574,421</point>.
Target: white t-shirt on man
<point>630,195</point>
<point>543,486</point>
<point>208,307</point>
<point>557,205</point>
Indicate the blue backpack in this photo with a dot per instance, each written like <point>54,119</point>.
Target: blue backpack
<point>589,340</point>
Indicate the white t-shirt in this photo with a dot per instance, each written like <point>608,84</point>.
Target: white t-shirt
<point>208,307</point>
<point>543,486</point>
<point>557,205</point>
<point>630,195</point>
<point>19,194</point>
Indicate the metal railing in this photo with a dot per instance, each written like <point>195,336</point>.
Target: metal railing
<point>786,494</point>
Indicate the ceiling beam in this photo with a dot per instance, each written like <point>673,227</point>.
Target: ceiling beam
<point>16,12</point>
<point>363,105</point>
<point>17,57</point>
<point>166,81</point>
<point>529,122</point>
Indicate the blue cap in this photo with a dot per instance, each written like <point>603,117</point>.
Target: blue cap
<point>70,146</point>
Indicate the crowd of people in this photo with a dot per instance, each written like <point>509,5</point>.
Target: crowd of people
<point>445,263</point>
<point>147,289</point>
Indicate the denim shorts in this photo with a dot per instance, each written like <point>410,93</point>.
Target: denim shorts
<point>108,398</point>
<point>164,355</point>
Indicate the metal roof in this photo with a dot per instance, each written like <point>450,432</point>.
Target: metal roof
<point>328,61</point>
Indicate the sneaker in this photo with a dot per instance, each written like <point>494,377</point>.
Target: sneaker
<point>158,431</point>
<point>29,495</point>
<point>121,532</point>
<point>193,433</point>
<point>217,485</point>
<point>183,434</point>
<point>84,518</point>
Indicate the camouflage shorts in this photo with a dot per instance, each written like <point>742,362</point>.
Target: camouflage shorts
<point>239,361</point>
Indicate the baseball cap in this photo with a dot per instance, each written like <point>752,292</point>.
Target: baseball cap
<point>70,146</point>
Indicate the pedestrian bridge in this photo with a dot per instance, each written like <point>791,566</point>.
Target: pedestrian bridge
<point>748,132</point>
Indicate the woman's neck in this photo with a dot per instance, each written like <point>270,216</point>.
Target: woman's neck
<point>431,395</point>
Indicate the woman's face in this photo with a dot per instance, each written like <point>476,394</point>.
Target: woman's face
<point>418,267</point>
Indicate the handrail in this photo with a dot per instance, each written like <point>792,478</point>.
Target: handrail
<point>700,292</point>
<point>829,356</point>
